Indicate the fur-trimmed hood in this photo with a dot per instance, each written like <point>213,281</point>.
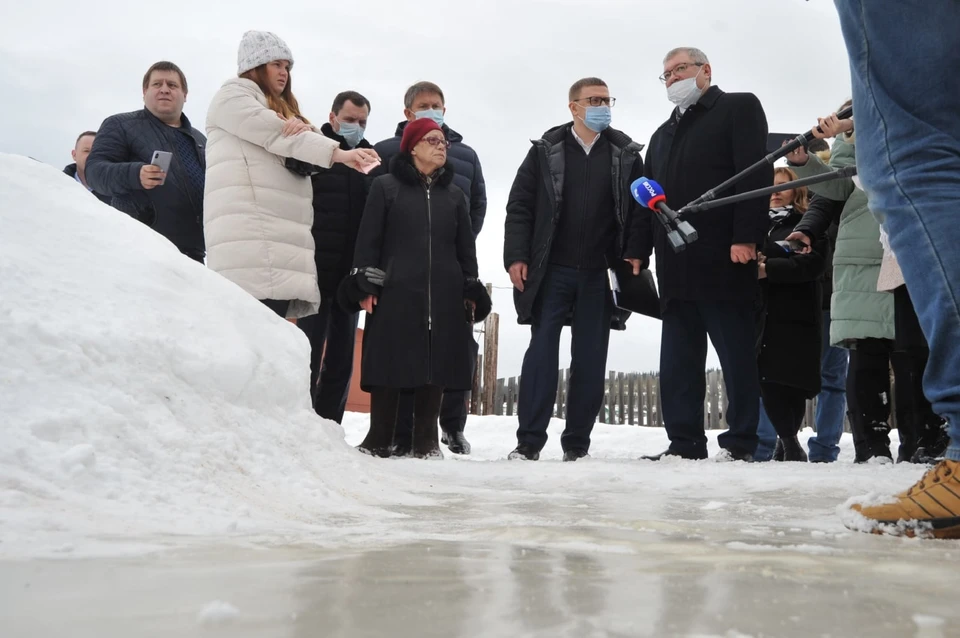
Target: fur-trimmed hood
<point>402,167</point>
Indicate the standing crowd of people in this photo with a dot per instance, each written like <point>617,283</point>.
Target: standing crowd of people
<point>802,295</point>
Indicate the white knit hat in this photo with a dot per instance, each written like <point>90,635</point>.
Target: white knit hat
<point>261,47</point>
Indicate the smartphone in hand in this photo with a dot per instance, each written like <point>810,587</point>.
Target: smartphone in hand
<point>162,159</point>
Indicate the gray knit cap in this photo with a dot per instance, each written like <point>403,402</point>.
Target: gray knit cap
<point>261,47</point>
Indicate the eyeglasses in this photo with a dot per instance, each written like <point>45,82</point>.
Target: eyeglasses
<point>680,68</point>
<point>598,101</point>
<point>436,141</point>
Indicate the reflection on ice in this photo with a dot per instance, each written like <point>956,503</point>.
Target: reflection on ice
<point>653,585</point>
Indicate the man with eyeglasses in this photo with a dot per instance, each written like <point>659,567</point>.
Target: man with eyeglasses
<point>569,217</point>
<point>709,288</point>
<point>426,100</point>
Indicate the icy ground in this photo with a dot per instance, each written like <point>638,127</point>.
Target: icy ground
<point>162,474</point>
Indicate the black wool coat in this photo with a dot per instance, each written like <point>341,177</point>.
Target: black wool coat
<point>791,320</point>
<point>421,236</point>
<point>715,139</point>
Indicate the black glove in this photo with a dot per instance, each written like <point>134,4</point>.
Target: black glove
<point>369,279</point>
<point>358,285</point>
<point>475,291</point>
<point>301,168</point>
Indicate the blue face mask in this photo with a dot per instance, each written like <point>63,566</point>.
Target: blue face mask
<point>351,132</point>
<point>434,114</point>
<point>597,118</point>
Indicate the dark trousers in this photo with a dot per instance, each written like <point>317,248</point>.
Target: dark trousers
<point>731,326</point>
<point>868,397</point>
<point>868,391</point>
<point>586,294</point>
<point>917,423</point>
<point>332,333</point>
<point>785,406</point>
<point>453,411</point>
<point>279,306</point>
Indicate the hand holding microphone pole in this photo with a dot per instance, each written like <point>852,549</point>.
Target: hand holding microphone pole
<point>649,194</point>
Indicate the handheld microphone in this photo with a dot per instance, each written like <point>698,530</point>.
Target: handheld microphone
<point>650,194</point>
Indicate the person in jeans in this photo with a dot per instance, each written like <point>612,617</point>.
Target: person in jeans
<point>910,165</point>
<point>862,317</point>
<point>824,446</point>
<point>569,217</point>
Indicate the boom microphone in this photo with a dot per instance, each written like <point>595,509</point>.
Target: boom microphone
<point>649,194</point>
<point>801,140</point>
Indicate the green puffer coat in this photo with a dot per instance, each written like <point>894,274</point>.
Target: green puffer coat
<point>858,309</point>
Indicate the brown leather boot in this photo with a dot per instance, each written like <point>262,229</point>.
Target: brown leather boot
<point>929,509</point>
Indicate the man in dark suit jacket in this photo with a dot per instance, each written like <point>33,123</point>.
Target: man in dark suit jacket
<point>425,99</point>
<point>710,288</point>
<point>119,163</point>
<point>77,170</point>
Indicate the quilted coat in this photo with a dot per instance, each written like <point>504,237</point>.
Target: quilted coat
<point>257,214</point>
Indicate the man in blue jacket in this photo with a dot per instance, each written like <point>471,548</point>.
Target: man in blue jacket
<point>425,99</point>
<point>119,163</point>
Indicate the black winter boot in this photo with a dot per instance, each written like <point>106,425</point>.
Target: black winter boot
<point>456,442</point>
<point>792,450</point>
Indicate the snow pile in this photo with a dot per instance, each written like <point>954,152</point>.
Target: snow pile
<point>141,393</point>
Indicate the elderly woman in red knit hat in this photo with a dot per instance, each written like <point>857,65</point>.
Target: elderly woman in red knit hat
<point>415,273</point>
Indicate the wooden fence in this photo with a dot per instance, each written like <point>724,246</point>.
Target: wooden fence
<point>629,399</point>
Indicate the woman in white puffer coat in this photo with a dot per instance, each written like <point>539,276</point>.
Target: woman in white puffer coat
<point>257,214</point>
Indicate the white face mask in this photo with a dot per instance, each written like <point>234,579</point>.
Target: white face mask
<point>685,93</point>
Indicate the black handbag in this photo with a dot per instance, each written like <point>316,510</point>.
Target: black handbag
<point>636,293</point>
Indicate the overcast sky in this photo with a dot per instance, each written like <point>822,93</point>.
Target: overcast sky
<point>505,67</point>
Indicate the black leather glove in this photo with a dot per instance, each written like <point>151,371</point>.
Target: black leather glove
<point>358,285</point>
<point>369,279</point>
<point>301,168</point>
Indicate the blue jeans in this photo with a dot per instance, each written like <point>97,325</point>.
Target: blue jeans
<point>767,437</point>
<point>906,93</point>
<point>586,295</point>
<point>832,400</point>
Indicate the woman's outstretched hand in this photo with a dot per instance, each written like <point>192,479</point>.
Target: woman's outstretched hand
<point>361,159</point>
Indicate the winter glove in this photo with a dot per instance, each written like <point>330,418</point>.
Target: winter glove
<point>301,168</point>
<point>357,286</point>
<point>369,279</point>
<point>475,291</point>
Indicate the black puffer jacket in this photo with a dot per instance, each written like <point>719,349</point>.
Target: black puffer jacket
<point>339,196</point>
<point>420,235</point>
<point>124,144</point>
<point>791,319</point>
<point>534,207</point>
<point>469,177</point>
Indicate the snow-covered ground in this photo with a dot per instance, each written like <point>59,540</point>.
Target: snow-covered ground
<point>156,440</point>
